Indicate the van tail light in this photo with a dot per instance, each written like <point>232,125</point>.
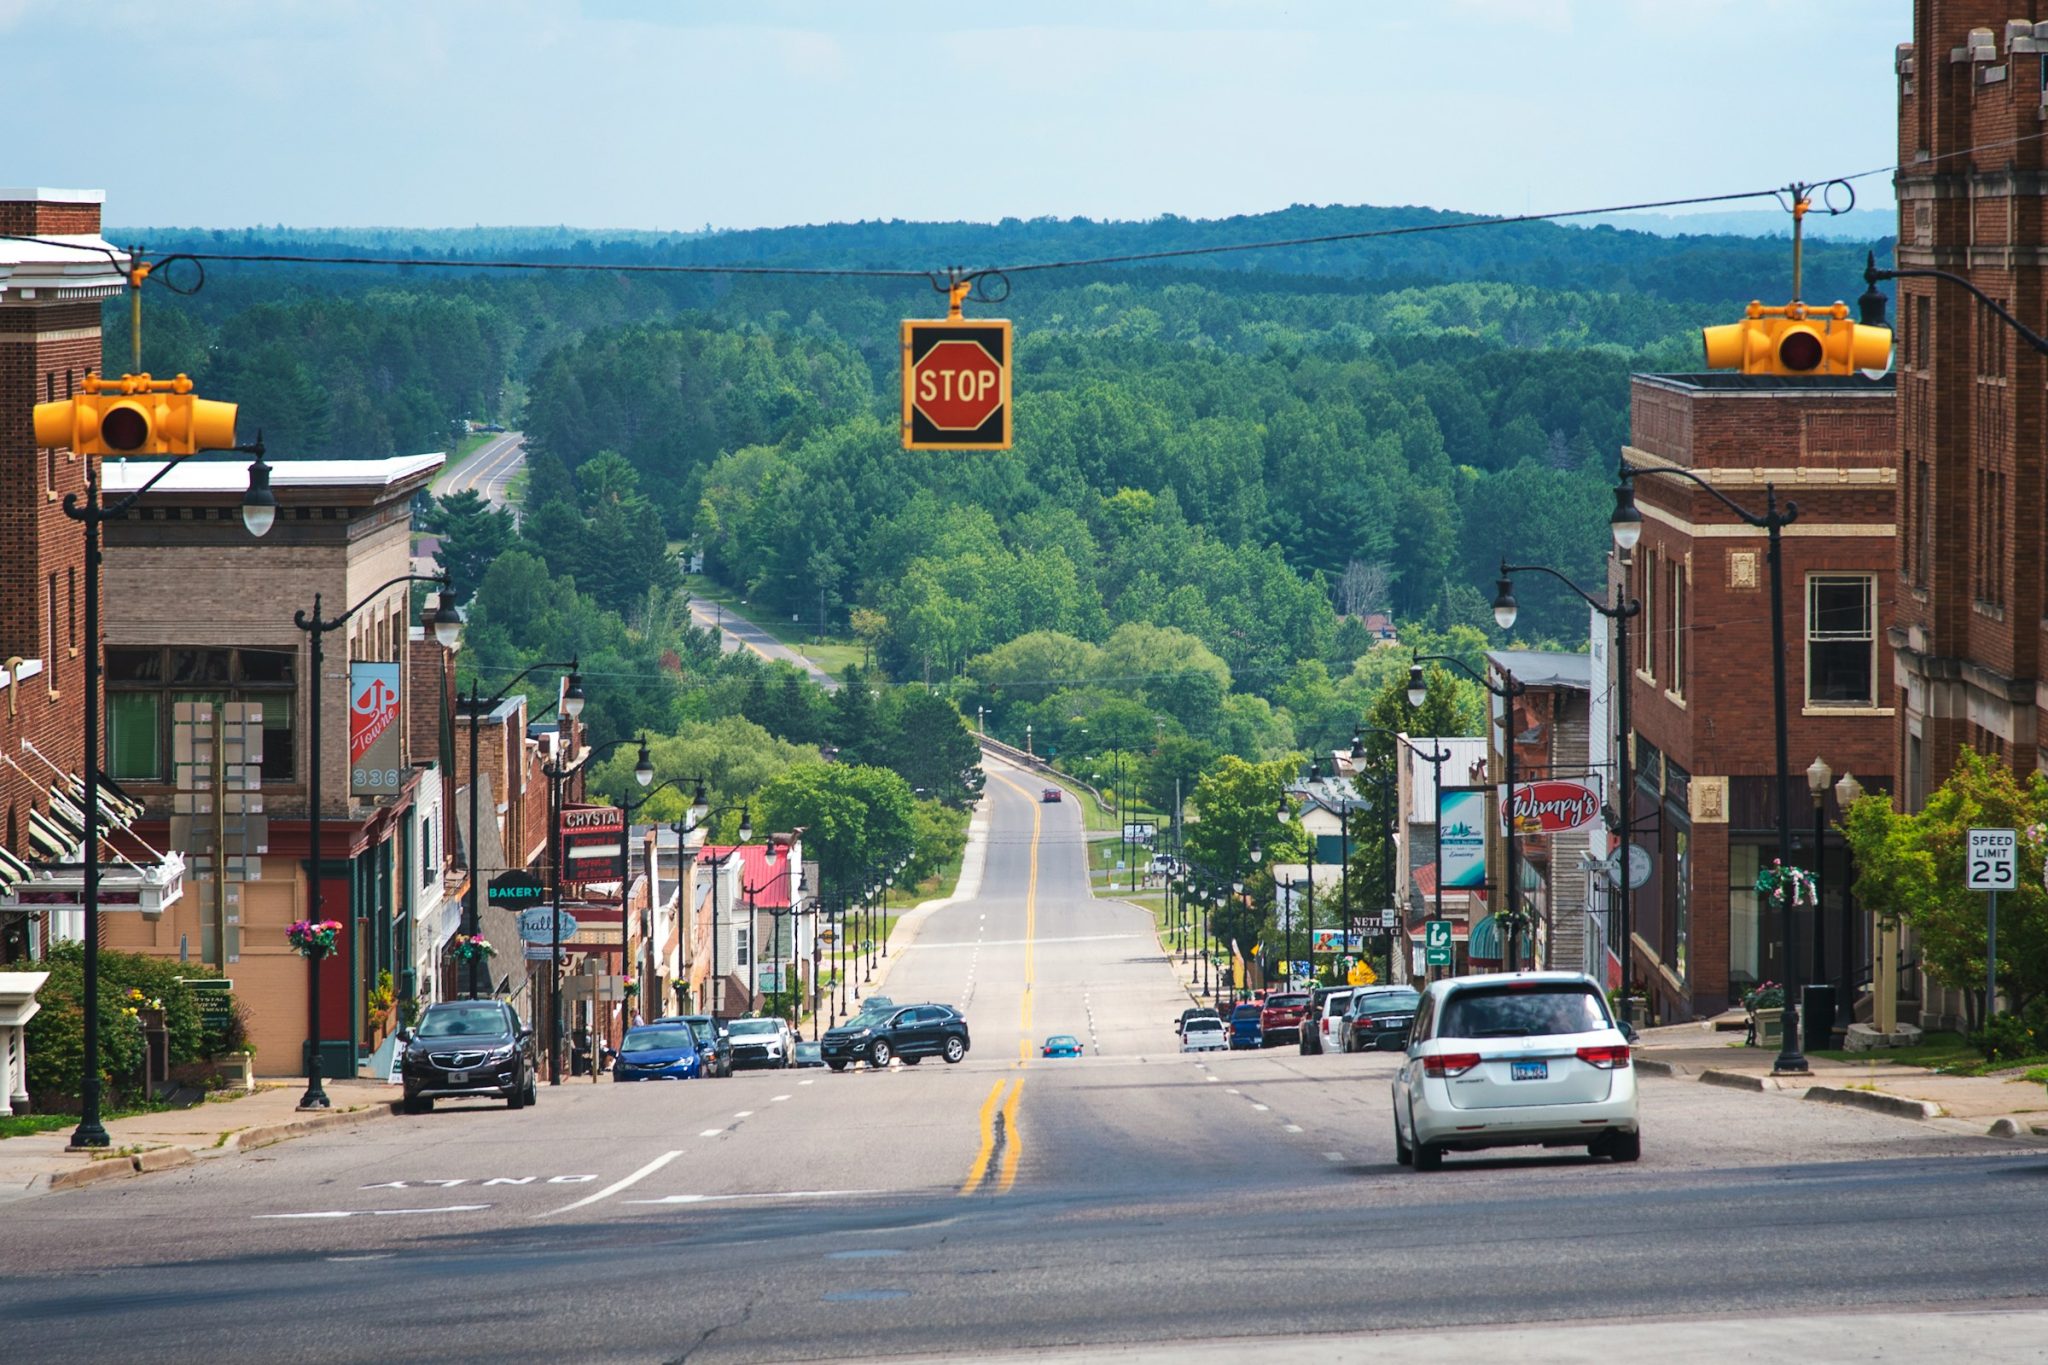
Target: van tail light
<point>1449,1064</point>
<point>1606,1058</point>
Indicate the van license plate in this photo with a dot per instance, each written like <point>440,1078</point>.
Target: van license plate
<point>1529,1071</point>
<point>462,1078</point>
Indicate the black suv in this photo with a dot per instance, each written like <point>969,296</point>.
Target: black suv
<point>712,1040</point>
<point>912,1032</point>
<point>468,1047</point>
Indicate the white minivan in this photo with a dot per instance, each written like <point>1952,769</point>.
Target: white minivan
<point>1514,1059</point>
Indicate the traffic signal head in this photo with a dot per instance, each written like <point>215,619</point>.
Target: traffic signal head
<point>136,415</point>
<point>1797,340</point>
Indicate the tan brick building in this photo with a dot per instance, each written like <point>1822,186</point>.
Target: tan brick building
<point>1706,804</point>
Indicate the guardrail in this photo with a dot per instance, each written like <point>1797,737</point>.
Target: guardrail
<point>1037,764</point>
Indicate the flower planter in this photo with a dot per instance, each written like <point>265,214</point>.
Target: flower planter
<point>1770,1026</point>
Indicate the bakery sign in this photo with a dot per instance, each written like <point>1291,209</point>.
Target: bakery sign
<point>1556,806</point>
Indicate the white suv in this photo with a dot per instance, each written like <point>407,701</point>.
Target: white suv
<point>1517,1059</point>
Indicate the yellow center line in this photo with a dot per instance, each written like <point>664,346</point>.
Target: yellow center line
<point>988,1141</point>
<point>1013,1142</point>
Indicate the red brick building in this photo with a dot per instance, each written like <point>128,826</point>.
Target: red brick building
<point>1706,798</point>
<point>1967,626</point>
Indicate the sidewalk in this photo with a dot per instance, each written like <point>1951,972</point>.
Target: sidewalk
<point>153,1142</point>
<point>2004,1106</point>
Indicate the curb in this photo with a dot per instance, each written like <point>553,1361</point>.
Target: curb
<point>1651,1067</point>
<point>1875,1100</point>
<point>1740,1080</point>
<point>265,1135</point>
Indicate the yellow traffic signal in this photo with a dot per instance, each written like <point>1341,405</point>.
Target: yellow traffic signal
<point>1797,339</point>
<point>136,415</point>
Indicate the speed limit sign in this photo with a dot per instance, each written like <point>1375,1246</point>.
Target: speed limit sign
<point>1993,861</point>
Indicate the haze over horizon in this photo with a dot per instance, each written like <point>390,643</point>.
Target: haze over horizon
<point>627,115</point>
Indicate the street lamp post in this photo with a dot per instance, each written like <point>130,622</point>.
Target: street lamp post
<point>1619,612</point>
<point>1435,758</point>
<point>259,511</point>
<point>699,817</point>
<point>1387,798</point>
<point>1506,691</point>
<point>1627,526</point>
<point>448,632</point>
<point>477,707</point>
<point>1848,791</point>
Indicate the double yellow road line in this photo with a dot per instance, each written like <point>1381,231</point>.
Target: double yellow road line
<point>998,1135</point>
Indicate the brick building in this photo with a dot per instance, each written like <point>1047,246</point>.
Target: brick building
<point>51,290</point>
<point>1551,718</point>
<point>199,611</point>
<point>1699,655</point>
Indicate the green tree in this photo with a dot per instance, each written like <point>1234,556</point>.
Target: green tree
<point>923,737</point>
<point>857,820</point>
<point>1909,868</point>
<point>1237,807</point>
<point>472,534</point>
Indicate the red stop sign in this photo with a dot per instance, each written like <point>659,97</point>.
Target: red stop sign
<point>957,386</point>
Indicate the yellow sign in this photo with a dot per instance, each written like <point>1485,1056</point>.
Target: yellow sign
<point>1362,974</point>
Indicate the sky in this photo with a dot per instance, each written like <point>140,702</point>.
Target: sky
<point>681,115</point>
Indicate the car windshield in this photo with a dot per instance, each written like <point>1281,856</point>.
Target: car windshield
<point>1522,1011</point>
<point>1392,1002</point>
<point>1062,1040</point>
<point>1336,1003</point>
<point>1285,1002</point>
<point>1245,1012</point>
<point>702,1028</point>
<point>744,1027</point>
<point>1204,1025</point>
<point>658,1039</point>
<point>487,1020</point>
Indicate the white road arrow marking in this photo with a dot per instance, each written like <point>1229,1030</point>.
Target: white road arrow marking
<point>608,1191</point>
<point>373,1213</point>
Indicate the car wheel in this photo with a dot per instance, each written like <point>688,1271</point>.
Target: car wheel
<point>837,1066</point>
<point>912,1061</point>
<point>878,1056</point>
<point>532,1089</point>
<point>517,1098</point>
<point>418,1104</point>
<point>955,1050</point>
<point>1621,1147</point>
<point>1402,1155</point>
<point>1427,1156</point>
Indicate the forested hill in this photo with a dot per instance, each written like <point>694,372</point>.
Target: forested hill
<point>1237,456</point>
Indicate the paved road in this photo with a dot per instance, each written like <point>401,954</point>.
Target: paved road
<point>489,471</point>
<point>1133,1196</point>
<point>738,633</point>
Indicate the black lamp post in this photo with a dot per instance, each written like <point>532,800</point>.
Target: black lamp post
<point>779,913</point>
<point>643,774</point>
<point>1386,798</point>
<point>477,708</point>
<point>1506,690</point>
<point>1435,758</point>
<point>1619,612</point>
<point>1872,302</point>
<point>448,632</point>
<point>259,511</point>
<point>1627,525</point>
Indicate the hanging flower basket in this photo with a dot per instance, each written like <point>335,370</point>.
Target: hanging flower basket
<point>313,939</point>
<point>472,947</point>
<point>1787,884</point>
<point>632,987</point>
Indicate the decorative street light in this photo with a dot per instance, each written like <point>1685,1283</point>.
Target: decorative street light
<point>1627,526</point>
<point>1619,612</point>
<point>700,816</point>
<point>448,634</point>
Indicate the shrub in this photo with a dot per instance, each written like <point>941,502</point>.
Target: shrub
<point>2006,1038</point>
<point>56,1036</point>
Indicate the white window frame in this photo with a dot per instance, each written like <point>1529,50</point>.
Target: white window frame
<point>1869,581</point>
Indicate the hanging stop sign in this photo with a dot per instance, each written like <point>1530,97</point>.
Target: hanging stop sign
<point>956,385</point>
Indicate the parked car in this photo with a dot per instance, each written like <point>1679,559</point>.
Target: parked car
<point>1323,1031</point>
<point>1204,1033</point>
<point>1061,1045</point>
<point>468,1047</point>
<point>1379,1017</point>
<point>1244,1025</point>
<point>1051,796</point>
<point>1180,1025</point>
<point>1280,1018</point>
<point>658,1052</point>
<point>762,1043</point>
<point>912,1032</point>
<point>712,1040</point>
<point>1515,1059</point>
<point>808,1054</point>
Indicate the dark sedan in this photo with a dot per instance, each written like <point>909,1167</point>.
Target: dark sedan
<point>1380,1019</point>
<point>468,1048</point>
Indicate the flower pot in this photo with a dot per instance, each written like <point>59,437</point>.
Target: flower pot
<point>1770,1026</point>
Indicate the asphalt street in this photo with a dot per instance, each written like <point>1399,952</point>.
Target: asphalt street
<point>1012,1203</point>
<point>489,470</point>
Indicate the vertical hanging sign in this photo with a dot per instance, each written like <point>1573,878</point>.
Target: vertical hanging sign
<point>376,764</point>
<point>956,382</point>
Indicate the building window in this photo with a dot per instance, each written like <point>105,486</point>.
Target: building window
<point>1648,597</point>
<point>430,853</point>
<point>1923,527</point>
<point>1744,928</point>
<point>740,945</point>
<point>143,685</point>
<point>50,658</point>
<point>1677,628</point>
<point>1841,640</point>
<point>1989,560</point>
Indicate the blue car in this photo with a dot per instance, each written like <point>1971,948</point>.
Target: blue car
<point>1245,1029</point>
<point>659,1052</point>
<point>1061,1045</point>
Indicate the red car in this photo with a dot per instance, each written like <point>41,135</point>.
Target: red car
<point>1281,1018</point>
<point>1050,794</point>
